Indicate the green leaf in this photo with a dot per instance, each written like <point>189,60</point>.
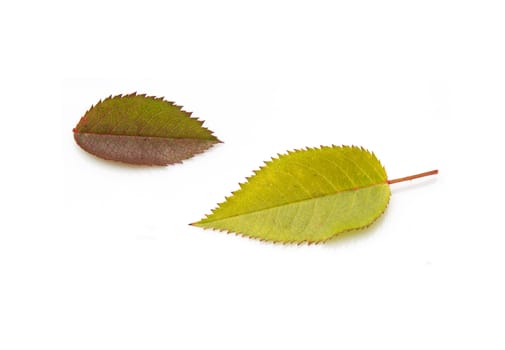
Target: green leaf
<point>307,196</point>
<point>140,129</point>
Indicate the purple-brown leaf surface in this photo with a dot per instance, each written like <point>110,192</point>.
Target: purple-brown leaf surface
<point>140,129</point>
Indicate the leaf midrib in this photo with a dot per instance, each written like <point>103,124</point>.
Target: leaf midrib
<point>291,203</point>
<point>159,137</point>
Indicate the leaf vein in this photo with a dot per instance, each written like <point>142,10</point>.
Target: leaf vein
<point>292,203</point>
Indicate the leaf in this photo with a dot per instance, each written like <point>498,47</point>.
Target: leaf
<point>140,129</point>
<point>307,195</point>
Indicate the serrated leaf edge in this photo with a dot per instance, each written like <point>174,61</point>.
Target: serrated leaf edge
<point>308,242</point>
<point>135,94</point>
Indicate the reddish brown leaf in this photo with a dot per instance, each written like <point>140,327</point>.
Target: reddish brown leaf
<point>142,130</point>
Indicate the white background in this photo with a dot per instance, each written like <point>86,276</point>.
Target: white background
<point>96,255</point>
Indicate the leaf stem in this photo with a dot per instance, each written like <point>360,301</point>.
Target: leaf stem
<point>412,177</point>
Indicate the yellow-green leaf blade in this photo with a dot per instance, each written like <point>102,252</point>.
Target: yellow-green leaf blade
<point>306,196</point>
<point>312,220</point>
<point>142,129</point>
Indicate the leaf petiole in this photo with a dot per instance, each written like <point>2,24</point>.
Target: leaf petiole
<point>412,177</point>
